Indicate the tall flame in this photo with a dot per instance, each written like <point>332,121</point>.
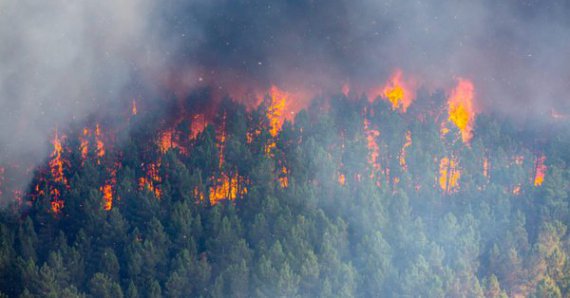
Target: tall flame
<point>540,170</point>
<point>56,163</point>
<point>399,92</point>
<point>276,109</point>
<point>461,108</point>
<point>449,174</point>
<point>107,191</point>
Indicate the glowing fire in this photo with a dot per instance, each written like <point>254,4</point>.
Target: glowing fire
<point>276,109</point>
<point>399,92</point>
<point>134,110</point>
<point>107,191</point>
<point>84,144</point>
<point>56,163</point>
<point>151,180</point>
<point>517,190</point>
<point>449,174</point>
<point>540,170</point>
<point>165,141</point>
<point>283,179</point>
<point>407,144</point>
<point>486,167</point>
<point>373,148</point>
<point>99,142</point>
<point>341,179</point>
<point>198,125</point>
<point>227,187</point>
<point>461,108</point>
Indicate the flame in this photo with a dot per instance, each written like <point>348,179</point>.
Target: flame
<point>151,180</point>
<point>99,142</point>
<point>407,144</point>
<point>341,179</point>
<point>198,125</point>
<point>517,190</point>
<point>486,166</point>
<point>540,170</point>
<point>373,148</point>
<point>56,163</point>
<point>283,179</point>
<point>134,110</point>
<point>449,174</point>
<point>84,144</point>
<point>461,108</point>
<point>107,191</point>
<point>227,187</point>
<point>276,109</point>
<point>221,136</point>
<point>399,92</point>
<point>56,203</point>
<point>165,141</point>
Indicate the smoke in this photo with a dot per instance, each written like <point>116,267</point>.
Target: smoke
<point>63,60</point>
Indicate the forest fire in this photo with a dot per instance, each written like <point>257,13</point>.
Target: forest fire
<point>407,144</point>
<point>540,170</point>
<point>227,187</point>
<point>449,175</point>
<point>399,92</point>
<point>107,191</point>
<point>276,109</point>
<point>373,148</point>
<point>461,108</point>
<point>56,164</point>
<point>151,180</point>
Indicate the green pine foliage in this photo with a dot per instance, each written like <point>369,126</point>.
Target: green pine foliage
<point>379,233</point>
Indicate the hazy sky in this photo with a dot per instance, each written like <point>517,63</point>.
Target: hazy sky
<point>62,60</point>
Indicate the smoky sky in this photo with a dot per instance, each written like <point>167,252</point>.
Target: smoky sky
<point>62,60</point>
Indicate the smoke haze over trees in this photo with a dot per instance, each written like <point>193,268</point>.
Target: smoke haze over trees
<point>284,148</point>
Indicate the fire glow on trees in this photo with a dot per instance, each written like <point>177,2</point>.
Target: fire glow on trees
<point>540,170</point>
<point>407,144</point>
<point>449,174</point>
<point>399,92</point>
<point>461,108</point>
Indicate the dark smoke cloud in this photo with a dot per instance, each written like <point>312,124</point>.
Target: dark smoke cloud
<point>62,60</point>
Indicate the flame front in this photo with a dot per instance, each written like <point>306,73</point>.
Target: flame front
<point>461,108</point>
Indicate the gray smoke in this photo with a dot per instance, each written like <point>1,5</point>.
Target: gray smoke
<point>62,60</point>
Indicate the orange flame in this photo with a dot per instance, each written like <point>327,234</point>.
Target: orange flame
<point>449,174</point>
<point>151,180</point>
<point>56,163</point>
<point>373,148</point>
<point>107,191</point>
<point>134,110</point>
<point>283,179</point>
<point>227,187</point>
<point>399,92</point>
<point>276,109</point>
<point>407,144</point>
<point>99,142</point>
<point>341,179</point>
<point>486,166</point>
<point>461,108</point>
<point>540,169</point>
<point>84,144</point>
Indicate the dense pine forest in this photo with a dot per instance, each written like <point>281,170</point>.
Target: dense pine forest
<point>349,197</point>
